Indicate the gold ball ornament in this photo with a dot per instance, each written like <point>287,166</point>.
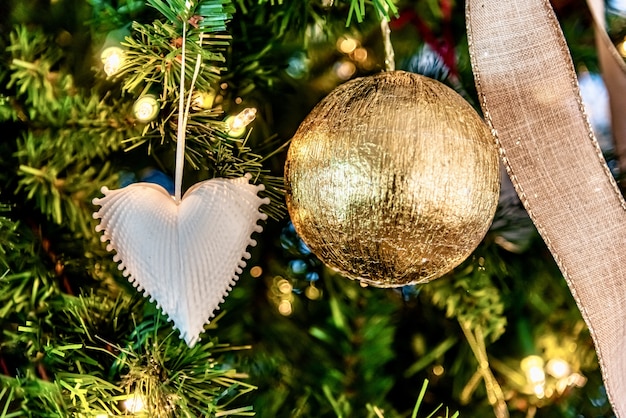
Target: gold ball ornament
<point>392,179</point>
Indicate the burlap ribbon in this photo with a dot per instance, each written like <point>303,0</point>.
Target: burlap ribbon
<point>529,94</point>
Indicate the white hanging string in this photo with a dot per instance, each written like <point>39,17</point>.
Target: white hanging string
<point>183,117</point>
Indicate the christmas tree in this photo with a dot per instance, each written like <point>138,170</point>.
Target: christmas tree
<point>95,93</point>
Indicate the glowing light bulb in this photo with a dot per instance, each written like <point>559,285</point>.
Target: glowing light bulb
<point>237,124</point>
<point>113,59</point>
<point>203,100</point>
<point>146,108</point>
<point>134,404</point>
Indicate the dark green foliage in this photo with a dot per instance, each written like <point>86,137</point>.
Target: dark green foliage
<point>77,339</point>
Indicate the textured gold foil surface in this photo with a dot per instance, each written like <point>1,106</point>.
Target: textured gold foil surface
<point>392,179</point>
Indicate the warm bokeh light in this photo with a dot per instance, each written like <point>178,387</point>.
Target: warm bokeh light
<point>345,69</point>
<point>256,271</point>
<point>558,368</point>
<point>360,54</point>
<point>536,376</point>
<point>284,307</point>
<point>312,293</point>
<point>284,286</point>
<point>347,44</point>
<point>438,370</point>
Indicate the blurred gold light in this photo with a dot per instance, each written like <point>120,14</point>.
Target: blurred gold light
<point>576,379</point>
<point>256,271</point>
<point>284,286</point>
<point>360,54</point>
<point>312,292</point>
<point>535,375</point>
<point>438,370</point>
<point>346,44</point>
<point>284,307</point>
<point>558,368</point>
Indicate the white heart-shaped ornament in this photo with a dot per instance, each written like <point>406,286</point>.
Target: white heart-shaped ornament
<point>186,255</point>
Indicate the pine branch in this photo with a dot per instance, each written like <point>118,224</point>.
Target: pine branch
<point>153,58</point>
<point>174,380</point>
<point>470,296</point>
<point>385,8</point>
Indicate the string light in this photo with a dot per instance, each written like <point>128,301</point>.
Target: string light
<point>134,404</point>
<point>146,108</point>
<point>237,124</point>
<point>203,100</point>
<point>112,58</point>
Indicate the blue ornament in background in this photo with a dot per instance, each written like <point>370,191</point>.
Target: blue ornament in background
<point>152,175</point>
<point>148,175</point>
<point>596,100</point>
<point>617,6</point>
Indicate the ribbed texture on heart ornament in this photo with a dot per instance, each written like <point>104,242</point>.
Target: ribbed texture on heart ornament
<point>186,256</point>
